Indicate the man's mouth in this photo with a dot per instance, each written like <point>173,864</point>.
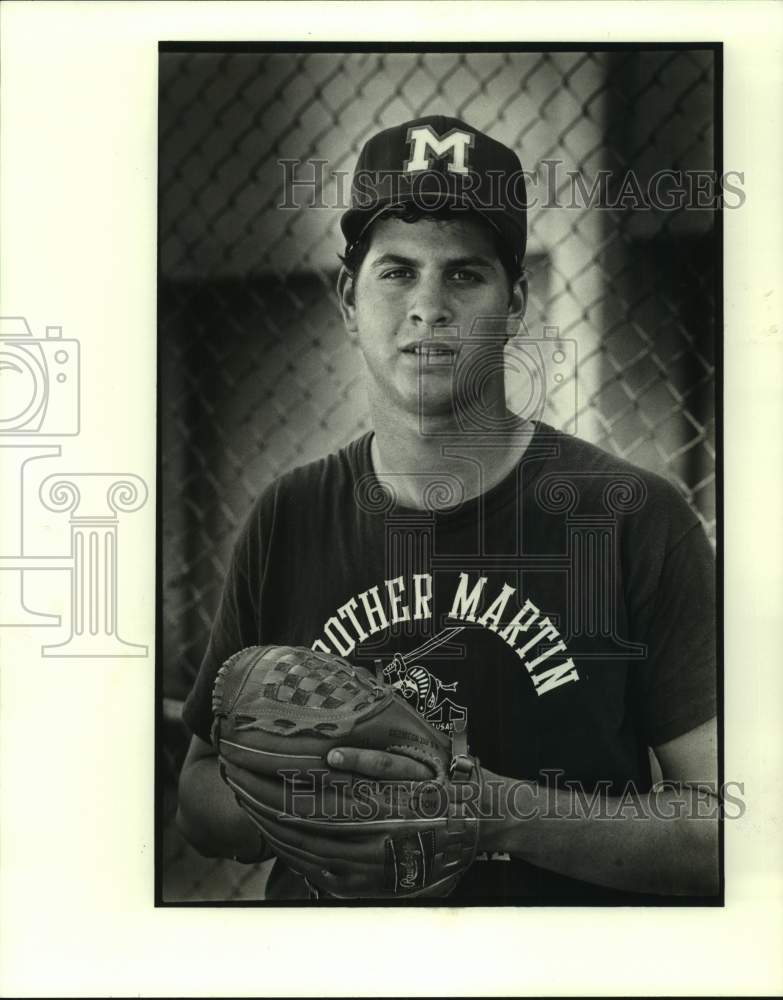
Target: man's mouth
<point>432,352</point>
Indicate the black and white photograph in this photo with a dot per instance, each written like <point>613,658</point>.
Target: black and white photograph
<point>438,355</point>
<point>391,472</point>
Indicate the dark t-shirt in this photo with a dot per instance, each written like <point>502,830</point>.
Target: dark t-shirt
<point>567,614</point>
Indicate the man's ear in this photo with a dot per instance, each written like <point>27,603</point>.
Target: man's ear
<point>346,293</point>
<point>518,304</point>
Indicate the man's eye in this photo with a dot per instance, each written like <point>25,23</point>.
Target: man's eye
<point>397,272</point>
<point>466,276</point>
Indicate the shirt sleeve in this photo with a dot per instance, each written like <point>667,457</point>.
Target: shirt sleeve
<point>237,623</point>
<point>679,691</point>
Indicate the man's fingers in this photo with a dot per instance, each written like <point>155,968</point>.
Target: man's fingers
<point>379,764</point>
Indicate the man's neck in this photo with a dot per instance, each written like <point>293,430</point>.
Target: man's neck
<point>445,460</point>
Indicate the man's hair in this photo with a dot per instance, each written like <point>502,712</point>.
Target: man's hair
<point>357,251</point>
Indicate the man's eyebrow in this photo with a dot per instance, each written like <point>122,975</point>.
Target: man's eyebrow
<point>472,261</point>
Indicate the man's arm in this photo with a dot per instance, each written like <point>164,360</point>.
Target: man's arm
<point>208,815</point>
<point>656,843</point>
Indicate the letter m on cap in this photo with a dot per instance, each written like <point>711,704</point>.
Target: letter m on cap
<point>424,141</point>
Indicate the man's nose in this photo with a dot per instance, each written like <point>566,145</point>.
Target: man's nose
<point>430,304</point>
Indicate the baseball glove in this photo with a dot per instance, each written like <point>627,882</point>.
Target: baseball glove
<point>278,710</point>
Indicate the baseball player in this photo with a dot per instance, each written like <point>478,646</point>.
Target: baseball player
<point>555,601</point>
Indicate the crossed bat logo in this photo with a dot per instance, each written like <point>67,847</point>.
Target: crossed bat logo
<point>422,689</point>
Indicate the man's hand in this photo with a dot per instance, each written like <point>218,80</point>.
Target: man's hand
<point>382,766</point>
<point>378,764</point>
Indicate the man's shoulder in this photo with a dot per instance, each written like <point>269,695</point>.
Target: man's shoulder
<point>323,475</point>
<point>623,486</point>
<point>572,453</point>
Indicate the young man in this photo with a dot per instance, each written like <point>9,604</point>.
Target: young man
<point>556,599</point>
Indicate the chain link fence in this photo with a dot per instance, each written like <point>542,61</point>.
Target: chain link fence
<point>256,372</point>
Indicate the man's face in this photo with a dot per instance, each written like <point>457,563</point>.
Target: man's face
<point>417,305</point>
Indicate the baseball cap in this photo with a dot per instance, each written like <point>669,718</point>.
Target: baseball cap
<point>438,162</point>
